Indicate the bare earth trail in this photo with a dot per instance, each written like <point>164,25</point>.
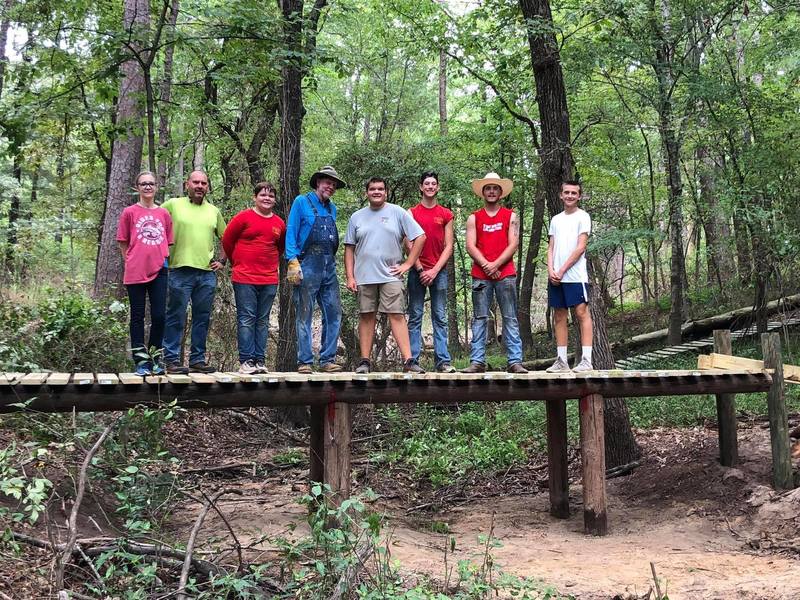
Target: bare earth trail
<point>706,528</point>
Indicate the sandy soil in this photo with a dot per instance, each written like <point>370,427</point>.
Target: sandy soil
<point>710,532</point>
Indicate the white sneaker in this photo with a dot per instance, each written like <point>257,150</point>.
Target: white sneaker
<point>248,367</point>
<point>560,366</point>
<point>583,366</point>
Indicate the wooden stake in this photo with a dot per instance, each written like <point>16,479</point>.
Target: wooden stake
<point>778,420</point>
<point>558,481</point>
<point>337,450</point>
<point>726,409</point>
<point>593,458</point>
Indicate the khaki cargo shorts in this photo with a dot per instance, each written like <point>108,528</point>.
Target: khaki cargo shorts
<point>387,298</point>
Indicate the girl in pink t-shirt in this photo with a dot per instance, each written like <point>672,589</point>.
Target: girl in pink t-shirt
<point>144,235</point>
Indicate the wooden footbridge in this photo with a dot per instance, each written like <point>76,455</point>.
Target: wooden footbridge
<point>331,396</point>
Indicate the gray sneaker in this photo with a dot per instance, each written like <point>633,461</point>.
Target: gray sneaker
<point>363,366</point>
<point>248,367</point>
<point>560,366</point>
<point>583,366</point>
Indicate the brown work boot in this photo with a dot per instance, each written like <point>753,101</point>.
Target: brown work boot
<point>516,368</point>
<point>305,369</point>
<point>330,367</point>
<point>474,367</point>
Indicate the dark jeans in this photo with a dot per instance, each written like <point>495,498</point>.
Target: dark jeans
<point>198,286</point>
<point>138,293</point>
<point>253,303</point>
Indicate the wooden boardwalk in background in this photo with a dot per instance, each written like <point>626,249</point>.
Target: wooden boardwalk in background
<point>645,361</point>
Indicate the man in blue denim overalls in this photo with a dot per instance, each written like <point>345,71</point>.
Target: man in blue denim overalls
<point>311,244</point>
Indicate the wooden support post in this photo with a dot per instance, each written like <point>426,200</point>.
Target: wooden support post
<point>726,409</point>
<point>337,450</point>
<point>778,420</point>
<point>558,481</point>
<point>316,458</point>
<point>593,459</point>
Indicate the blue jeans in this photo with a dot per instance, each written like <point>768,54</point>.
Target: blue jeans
<point>253,303</point>
<point>156,289</point>
<point>321,285</point>
<point>188,284</point>
<point>416,303</point>
<point>505,290</point>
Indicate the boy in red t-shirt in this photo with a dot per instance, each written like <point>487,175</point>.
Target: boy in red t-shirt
<point>430,272</point>
<point>492,240</point>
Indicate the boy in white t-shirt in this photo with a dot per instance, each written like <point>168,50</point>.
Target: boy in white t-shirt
<point>568,279</point>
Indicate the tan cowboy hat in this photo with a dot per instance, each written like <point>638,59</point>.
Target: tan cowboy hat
<point>327,171</point>
<point>506,185</point>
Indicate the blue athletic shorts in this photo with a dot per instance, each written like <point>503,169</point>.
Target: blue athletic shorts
<point>567,294</point>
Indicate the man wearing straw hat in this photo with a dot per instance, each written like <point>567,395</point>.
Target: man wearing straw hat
<point>492,240</point>
<point>311,244</point>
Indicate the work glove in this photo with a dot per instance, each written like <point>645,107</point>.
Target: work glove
<point>294,274</point>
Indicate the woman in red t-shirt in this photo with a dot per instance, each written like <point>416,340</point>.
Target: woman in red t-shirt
<point>254,241</point>
<point>144,235</point>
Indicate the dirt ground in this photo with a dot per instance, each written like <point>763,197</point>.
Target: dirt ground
<point>711,532</point>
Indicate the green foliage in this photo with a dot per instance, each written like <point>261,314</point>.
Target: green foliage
<point>444,444</point>
<point>64,331</point>
<point>30,491</point>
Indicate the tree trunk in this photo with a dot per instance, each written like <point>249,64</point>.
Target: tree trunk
<point>164,97</point>
<point>443,92</point>
<point>671,144</point>
<point>529,274</point>
<point>290,109</point>
<point>4,24</point>
<point>620,443</point>
<point>14,212</point>
<point>127,155</point>
<point>555,156</point>
<point>556,165</point>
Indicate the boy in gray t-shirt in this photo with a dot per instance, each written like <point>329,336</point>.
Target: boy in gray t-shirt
<point>373,261</point>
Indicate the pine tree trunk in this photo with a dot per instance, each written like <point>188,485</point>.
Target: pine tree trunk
<point>165,95</point>
<point>127,156</point>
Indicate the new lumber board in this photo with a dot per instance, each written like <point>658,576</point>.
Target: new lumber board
<point>58,378</point>
<point>10,378</point>
<point>34,379</point>
<point>727,362</point>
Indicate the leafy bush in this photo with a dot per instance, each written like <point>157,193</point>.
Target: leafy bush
<point>65,331</point>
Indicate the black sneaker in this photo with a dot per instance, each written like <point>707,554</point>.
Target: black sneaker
<point>262,368</point>
<point>412,366</point>
<point>201,367</point>
<point>363,366</point>
<point>175,368</point>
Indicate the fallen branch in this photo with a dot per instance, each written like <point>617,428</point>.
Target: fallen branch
<point>187,563</point>
<point>236,542</point>
<point>163,554</point>
<point>347,578</point>
<point>76,506</point>
<point>622,469</point>
<point>271,425</point>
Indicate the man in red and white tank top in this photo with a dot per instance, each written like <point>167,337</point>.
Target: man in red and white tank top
<point>492,240</point>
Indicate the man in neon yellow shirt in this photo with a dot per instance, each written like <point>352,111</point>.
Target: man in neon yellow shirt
<point>197,225</point>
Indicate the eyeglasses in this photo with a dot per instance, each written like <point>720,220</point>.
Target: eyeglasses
<point>147,184</point>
